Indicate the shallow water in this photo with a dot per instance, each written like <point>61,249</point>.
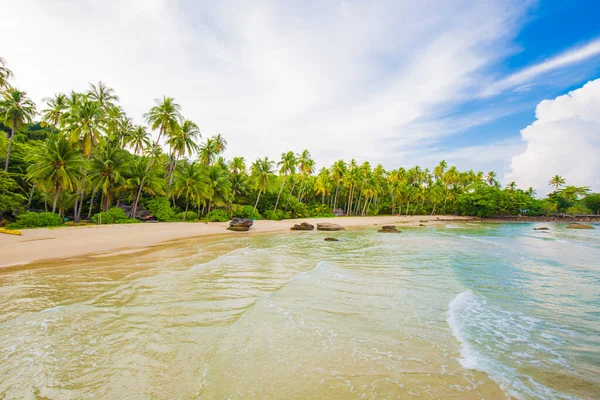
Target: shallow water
<point>463,311</point>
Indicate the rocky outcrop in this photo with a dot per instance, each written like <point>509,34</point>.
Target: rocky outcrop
<point>329,227</point>
<point>579,226</point>
<point>389,229</point>
<point>304,226</point>
<point>240,225</point>
<point>422,225</point>
<point>330,239</point>
<point>543,228</point>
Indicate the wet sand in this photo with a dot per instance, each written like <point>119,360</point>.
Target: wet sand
<point>64,242</point>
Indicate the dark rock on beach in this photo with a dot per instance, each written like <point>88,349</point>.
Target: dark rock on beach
<point>240,225</point>
<point>422,225</point>
<point>389,229</point>
<point>543,228</point>
<point>304,226</point>
<point>579,226</point>
<point>329,227</point>
<point>330,239</point>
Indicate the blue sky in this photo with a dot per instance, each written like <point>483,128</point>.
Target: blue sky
<point>393,82</point>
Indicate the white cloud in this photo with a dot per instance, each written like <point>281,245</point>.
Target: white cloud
<point>564,140</point>
<point>562,60</point>
<point>339,79</point>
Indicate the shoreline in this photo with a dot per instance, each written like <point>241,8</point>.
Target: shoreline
<point>49,244</point>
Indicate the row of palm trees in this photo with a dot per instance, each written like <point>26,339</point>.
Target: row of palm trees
<point>96,152</point>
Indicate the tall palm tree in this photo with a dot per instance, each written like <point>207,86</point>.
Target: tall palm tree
<point>16,110</point>
<point>557,181</point>
<point>220,143</point>
<point>219,185</point>
<point>306,166</point>
<point>261,175</point>
<point>337,175</point>
<point>237,165</point>
<point>84,123</point>
<point>103,95</point>
<point>5,74</point>
<point>138,172</point>
<point>182,142</point>
<point>58,164</point>
<point>208,151</point>
<point>108,168</point>
<point>323,183</point>
<point>191,181</point>
<point>439,170</point>
<point>164,116</point>
<point>56,108</point>
<point>287,166</point>
<point>139,139</point>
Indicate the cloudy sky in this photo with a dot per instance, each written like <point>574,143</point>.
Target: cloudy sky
<point>483,84</point>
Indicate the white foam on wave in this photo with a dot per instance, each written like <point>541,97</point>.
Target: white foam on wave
<point>489,337</point>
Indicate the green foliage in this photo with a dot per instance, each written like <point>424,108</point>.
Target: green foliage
<point>217,215</point>
<point>238,211</point>
<point>542,207</point>
<point>114,215</point>
<point>160,207</point>
<point>578,210</point>
<point>37,220</point>
<point>592,201</point>
<point>321,211</point>
<point>274,215</point>
<point>190,216</point>
<point>481,201</point>
<point>9,199</point>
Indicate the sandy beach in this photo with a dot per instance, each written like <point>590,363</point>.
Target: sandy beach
<point>64,242</point>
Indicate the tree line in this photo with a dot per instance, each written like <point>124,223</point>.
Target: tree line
<point>80,156</point>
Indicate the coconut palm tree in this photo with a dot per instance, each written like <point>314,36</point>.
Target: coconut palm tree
<point>557,181</point>
<point>108,169</point>
<point>57,164</point>
<point>5,74</point>
<point>150,176</point>
<point>139,139</point>
<point>323,183</point>
<point>16,110</point>
<point>84,123</point>
<point>103,95</point>
<point>220,143</point>
<point>439,170</point>
<point>56,108</point>
<point>192,183</point>
<point>237,165</point>
<point>164,116</point>
<point>181,143</point>
<point>338,170</point>
<point>208,151</point>
<point>287,165</point>
<point>261,176</point>
<point>219,185</point>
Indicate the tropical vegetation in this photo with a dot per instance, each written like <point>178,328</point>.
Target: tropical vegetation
<point>82,158</point>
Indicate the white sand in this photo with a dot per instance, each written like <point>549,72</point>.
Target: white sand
<point>45,244</point>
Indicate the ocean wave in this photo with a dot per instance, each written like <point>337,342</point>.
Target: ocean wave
<point>498,342</point>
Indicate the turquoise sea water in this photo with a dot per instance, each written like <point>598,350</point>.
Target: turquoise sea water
<point>460,311</point>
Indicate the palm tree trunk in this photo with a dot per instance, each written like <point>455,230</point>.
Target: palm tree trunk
<point>12,135</point>
<point>445,199</point>
<point>54,201</point>
<point>288,201</point>
<point>30,197</point>
<point>337,188</point>
<point>256,204</point>
<point>91,204</point>
<point>280,190</point>
<point>187,203</point>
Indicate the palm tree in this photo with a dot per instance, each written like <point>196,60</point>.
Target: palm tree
<point>237,165</point>
<point>57,164</point>
<point>261,175</point>
<point>103,95</point>
<point>287,166</point>
<point>152,183</point>
<point>5,73</point>
<point>439,170</point>
<point>16,110</point>
<point>109,165</point>
<point>208,151</point>
<point>219,185</point>
<point>139,139</point>
<point>557,181</point>
<point>164,116</point>
<point>323,183</point>
<point>181,142</point>
<point>56,108</point>
<point>191,181</point>
<point>306,166</point>
<point>84,123</point>
<point>220,143</point>
<point>491,178</point>
<point>337,175</point>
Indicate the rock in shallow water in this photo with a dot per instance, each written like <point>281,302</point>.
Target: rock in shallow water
<point>304,226</point>
<point>329,227</point>
<point>330,239</point>
<point>240,225</point>
<point>543,228</point>
<point>389,229</point>
<point>579,226</point>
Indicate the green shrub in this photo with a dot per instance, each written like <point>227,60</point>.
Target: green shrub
<point>190,216</point>
<point>36,220</point>
<point>578,210</point>
<point>238,211</point>
<point>161,209</point>
<point>217,215</point>
<point>274,215</point>
<point>114,215</point>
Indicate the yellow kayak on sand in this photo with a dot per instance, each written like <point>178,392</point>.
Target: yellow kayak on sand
<point>10,231</point>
